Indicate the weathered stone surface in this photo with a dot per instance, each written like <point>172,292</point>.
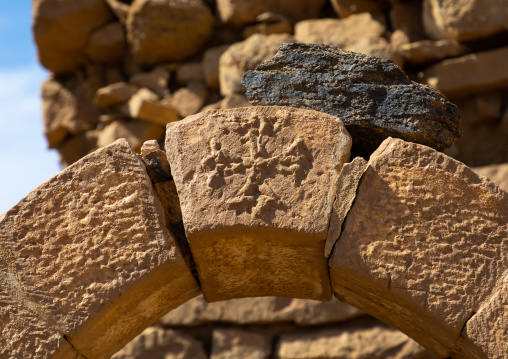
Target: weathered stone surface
<point>345,8</point>
<point>485,71</point>
<point>236,343</point>
<point>425,52</point>
<point>156,343</point>
<point>61,29</point>
<point>155,80</point>
<point>424,244</point>
<point>486,333</point>
<point>241,12</point>
<point>210,65</point>
<point>115,94</point>
<point>66,110</point>
<point>134,131</point>
<point>496,173</point>
<point>345,193</point>
<point>260,311</point>
<point>107,44</point>
<point>255,186</point>
<point>164,30</point>
<point>189,100</point>
<point>145,105</point>
<point>88,252</point>
<point>353,341</point>
<point>373,97</point>
<point>244,56</point>
<point>339,32</point>
<point>463,20</point>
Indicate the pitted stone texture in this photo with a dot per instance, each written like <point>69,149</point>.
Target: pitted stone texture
<point>423,245</point>
<point>236,343</point>
<point>486,332</point>
<point>89,253</point>
<point>260,311</point>
<point>61,29</point>
<point>358,340</point>
<point>373,97</point>
<point>157,343</point>
<point>242,12</point>
<point>164,30</point>
<point>244,56</point>
<point>255,186</point>
<point>464,20</point>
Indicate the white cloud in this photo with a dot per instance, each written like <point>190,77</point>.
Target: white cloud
<point>25,161</point>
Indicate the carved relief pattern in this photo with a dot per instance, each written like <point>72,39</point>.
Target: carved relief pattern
<point>256,196</point>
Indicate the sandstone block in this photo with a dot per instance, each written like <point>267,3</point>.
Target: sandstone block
<point>134,131</point>
<point>76,147</point>
<point>164,30</point>
<point>89,254</point>
<point>373,97</point>
<point>236,343</point>
<point>267,28</point>
<point>145,105</point>
<point>464,20</point>
<point>406,16</point>
<point>190,72</point>
<point>423,245</point>
<point>425,52</point>
<point>353,341</point>
<point>189,100</point>
<point>244,56</point>
<point>481,108</point>
<point>496,173</point>
<point>210,65</point>
<point>468,74</point>
<point>345,8</point>
<point>235,100</point>
<point>260,311</point>
<point>486,333</point>
<point>155,80</point>
<point>242,12</point>
<point>255,187</point>
<point>114,94</point>
<point>61,29</point>
<point>156,343</point>
<point>107,44</point>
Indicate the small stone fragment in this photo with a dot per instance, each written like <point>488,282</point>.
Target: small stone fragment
<point>149,146</point>
<point>424,245</point>
<point>107,44</point>
<point>165,30</point>
<point>244,56</point>
<point>236,343</point>
<point>189,100</point>
<point>134,131</point>
<point>89,249</point>
<point>425,52</point>
<point>156,80</point>
<point>145,105</point>
<point>159,343</point>
<point>114,94</point>
<point>373,97</point>
<point>256,191</point>
<point>210,65</point>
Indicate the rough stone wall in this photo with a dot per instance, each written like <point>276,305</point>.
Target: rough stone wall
<point>123,69</point>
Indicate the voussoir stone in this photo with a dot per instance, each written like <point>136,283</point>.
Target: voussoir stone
<point>424,244</point>
<point>255,187</point>
<point>373,97</point>
<point>165,30</point>
<point>88,256</point>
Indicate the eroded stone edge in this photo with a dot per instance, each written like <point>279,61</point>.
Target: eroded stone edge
<point>345,188</point>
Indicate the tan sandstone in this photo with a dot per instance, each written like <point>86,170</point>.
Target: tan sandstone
<point>114,94</point>
<point>61,29</point>
<point>157,343</point>
<point>496,173</point>
<point>255,187</point>
<point>463,20</point>
<point>345,8</point>
<point>107,44</point>
<point>210,65</point>
<point>244,56</point>
<point>242,12</point>
<point>260,311</point>
<point>88,255</point>
<point>468,74</point>
<point>427,51</point>
<point>236,343</point>
<point>134,131</point>
<point>155,80</point>
<point>424,244</point>
<point>164,30</point>
<point>145,105</point>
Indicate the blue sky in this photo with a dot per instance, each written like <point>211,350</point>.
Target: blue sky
<point>25,161</point>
